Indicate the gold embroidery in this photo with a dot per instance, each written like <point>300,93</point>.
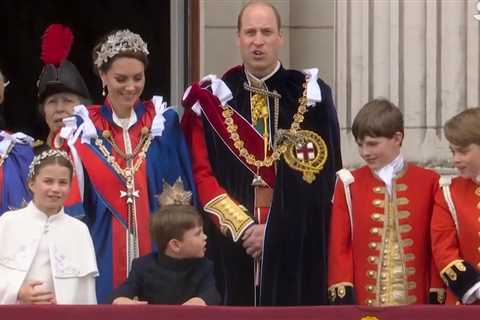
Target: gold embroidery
<point>308,156</point>
<point>406,243</point>
<point>230,215</point>
<point>440,293</point>
<point>259,108</point>
<point>402,214</point>
<point>460,266</point>
<point>448,271</point>
<point>402,201</point>
<point>378,203</point>
<point>451,274</point>
<point>403,228</point>
<point>379,189</point>
<point>338,290</point>
<point>409,257</point>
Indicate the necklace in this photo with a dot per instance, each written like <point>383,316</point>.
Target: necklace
<point>140,150</point>
<point>239,144</point>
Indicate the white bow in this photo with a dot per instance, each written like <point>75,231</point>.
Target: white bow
<point>70,132</point>
<point>219,89</point>
<point>158,123</point>
<point>8,139</point>
<point>314,94</point>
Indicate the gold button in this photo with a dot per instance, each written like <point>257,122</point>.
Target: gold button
<point>383,288</point>
<point>369,302</point>
<point>377,202</point>
<point>382,300</point>
<point>375,216</point>
<point>374,231</point>
<point>384,264</point>
<point>371,259</point>
<point>384,275</point>
<point>377,189</point>
<point>371,273</point>
<point>369,288</point>
<point>372,245</point>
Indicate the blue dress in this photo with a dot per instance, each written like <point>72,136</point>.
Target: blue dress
<point>119,193</point>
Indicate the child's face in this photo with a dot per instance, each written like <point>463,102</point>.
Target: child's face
<point>377,152</point>
<point>466,160</point>
<point>193,244</point>
<point>50,188</point>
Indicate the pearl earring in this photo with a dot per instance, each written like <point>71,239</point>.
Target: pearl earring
<point>104,91</point>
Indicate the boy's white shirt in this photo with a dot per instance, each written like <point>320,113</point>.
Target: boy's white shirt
<point>389,171</point>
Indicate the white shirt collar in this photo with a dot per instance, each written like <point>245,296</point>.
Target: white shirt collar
<point>122,123</point>
<point>42,216</point>
<point>268,76</point>
<point>389,171</point>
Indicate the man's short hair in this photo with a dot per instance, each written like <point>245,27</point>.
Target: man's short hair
<point>462,129</point>
<point>377,118</point>
<point>171,222</point>
<point>256,2</point>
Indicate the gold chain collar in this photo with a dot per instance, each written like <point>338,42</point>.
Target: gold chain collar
<point>239,144</point>
<point>141,150</point>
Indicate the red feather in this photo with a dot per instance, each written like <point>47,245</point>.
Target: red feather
<point>56,43</point>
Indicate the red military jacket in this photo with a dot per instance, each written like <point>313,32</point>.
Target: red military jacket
<point>457,252</point>
<point>356,244</point>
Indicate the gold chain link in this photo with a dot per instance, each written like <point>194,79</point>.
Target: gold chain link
<point>239,144</point>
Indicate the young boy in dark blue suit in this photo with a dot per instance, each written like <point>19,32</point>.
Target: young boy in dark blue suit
<point>178,273</point>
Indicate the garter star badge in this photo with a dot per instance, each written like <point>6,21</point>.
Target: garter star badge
<point>307,155</point>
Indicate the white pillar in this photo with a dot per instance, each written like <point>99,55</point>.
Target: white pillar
<point>423,55</point>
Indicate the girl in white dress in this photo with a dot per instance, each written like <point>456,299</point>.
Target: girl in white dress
<point>46,256</point>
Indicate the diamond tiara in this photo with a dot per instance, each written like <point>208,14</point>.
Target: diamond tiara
<point>120,41</point>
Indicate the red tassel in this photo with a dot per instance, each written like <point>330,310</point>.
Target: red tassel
<point>56,43</point>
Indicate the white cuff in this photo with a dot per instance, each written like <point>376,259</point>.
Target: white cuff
<point>472,294</point>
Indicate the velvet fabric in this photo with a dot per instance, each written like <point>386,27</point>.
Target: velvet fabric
<point>160,279</point>
<point>295,247</point>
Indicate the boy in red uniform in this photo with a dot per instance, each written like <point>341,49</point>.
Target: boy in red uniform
<point>456,216</point>
<point>379,251</point>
